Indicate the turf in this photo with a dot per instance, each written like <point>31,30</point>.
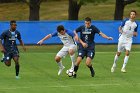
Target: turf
<point>39,73</point>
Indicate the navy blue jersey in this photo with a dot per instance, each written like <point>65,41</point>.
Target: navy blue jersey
<point>9,38</point>
<point>87,35</point>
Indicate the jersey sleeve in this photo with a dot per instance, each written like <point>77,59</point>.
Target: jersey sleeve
<point>18,36</point>
<point>2,36</point>
<point>54,34</point>
<point>79,29</point>
<point>123,22</point>
<point>70,33</point>
<point>96,30</point>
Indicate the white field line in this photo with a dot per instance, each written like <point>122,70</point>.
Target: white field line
<point>95,52</point>
<point>60,86</point>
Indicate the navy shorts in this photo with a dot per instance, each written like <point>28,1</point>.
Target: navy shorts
<point>86,52</point>
<point>9,55</point>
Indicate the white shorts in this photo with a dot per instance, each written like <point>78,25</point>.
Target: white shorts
<point>64,51</point>
<point>124,46</point>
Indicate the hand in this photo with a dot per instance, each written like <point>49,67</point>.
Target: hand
<point>84,45</point>
<point>40,42</point>
<point>110,38</point>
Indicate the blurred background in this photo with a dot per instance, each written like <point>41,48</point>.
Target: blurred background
<point>36,18</point>
<point>35,10</point>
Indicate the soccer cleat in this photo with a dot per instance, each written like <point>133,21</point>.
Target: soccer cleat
<point>123,70</point>
<point>2,60</point>
<point>60,70</point>
<point>17,77</point>
<point>112,69</point>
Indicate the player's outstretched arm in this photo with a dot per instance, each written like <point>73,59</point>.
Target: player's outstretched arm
<point>120,29</point>
<point>22,44</point>
<point>1,47</point>
<point>105,36</point>
<point>45,38</point>
<point>76,36</point>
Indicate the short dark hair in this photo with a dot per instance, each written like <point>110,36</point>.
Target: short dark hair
<point>12,22</point>
<point>133,11</point>
<point>88,19</point>
<point>60,27</point>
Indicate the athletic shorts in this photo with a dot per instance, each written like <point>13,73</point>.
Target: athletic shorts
<point>124,46</point>
<point>9,55</point>
<point>86,52</point>
<point>65,50</point>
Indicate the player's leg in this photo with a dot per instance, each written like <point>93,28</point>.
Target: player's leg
<point>62,53</point>
<point>90,56</point>
<point>120,49</point>
<point>7,59</point>
<point>15,56</point>
<point>72,50</point>
<point>17,65</point>
<point>81,55</point>
<point>128,48</point>
<point>2,58</point>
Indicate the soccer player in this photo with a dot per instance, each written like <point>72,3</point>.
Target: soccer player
<point>87,44</point>
<point>70,46</point>
<point>127,30</point>
<point>9,46</point>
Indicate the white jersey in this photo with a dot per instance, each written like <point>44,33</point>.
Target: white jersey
<point>128,27</point>
<point>67,38</point>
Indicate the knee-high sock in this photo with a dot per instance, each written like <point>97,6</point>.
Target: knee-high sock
<point>72,60</point>
<point>115,60</point>
<point>125,61</point>
<point>76,68</point>
<point>17,69</point>
<point>60,64</point>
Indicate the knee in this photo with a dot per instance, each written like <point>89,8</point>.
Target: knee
<point>118,53</point>
<point>8,64</point>
<point>71,52</point>
<point>57,59</point>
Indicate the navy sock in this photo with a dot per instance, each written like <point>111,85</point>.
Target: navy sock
<point>17,69</point>
<point>76,68</point>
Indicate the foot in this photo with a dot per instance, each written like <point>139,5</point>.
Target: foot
<point>74,75</point>
<point>17,77</point>
<point>113,69</point>
<point>2,60</point>
<point>60,70</point>
<point>123,70</point>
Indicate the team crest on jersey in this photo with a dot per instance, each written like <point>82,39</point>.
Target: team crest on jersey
<point>86,32</point>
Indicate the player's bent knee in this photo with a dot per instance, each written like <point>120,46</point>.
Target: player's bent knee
<point>8,64</point>
<point>57,59</point>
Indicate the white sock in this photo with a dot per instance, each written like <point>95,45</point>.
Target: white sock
<point>115,60</point>
<point>60,64</point>
<point>72,60</point>
<point>125,61</point>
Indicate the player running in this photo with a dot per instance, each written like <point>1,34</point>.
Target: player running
<point>9,46</point>
<point>87,44</point>
<point>67,38</point>
<point>127,30</point>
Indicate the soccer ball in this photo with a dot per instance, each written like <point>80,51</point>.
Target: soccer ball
<point>69,72</point>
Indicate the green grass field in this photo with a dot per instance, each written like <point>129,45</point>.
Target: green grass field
<point>39,73</point>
